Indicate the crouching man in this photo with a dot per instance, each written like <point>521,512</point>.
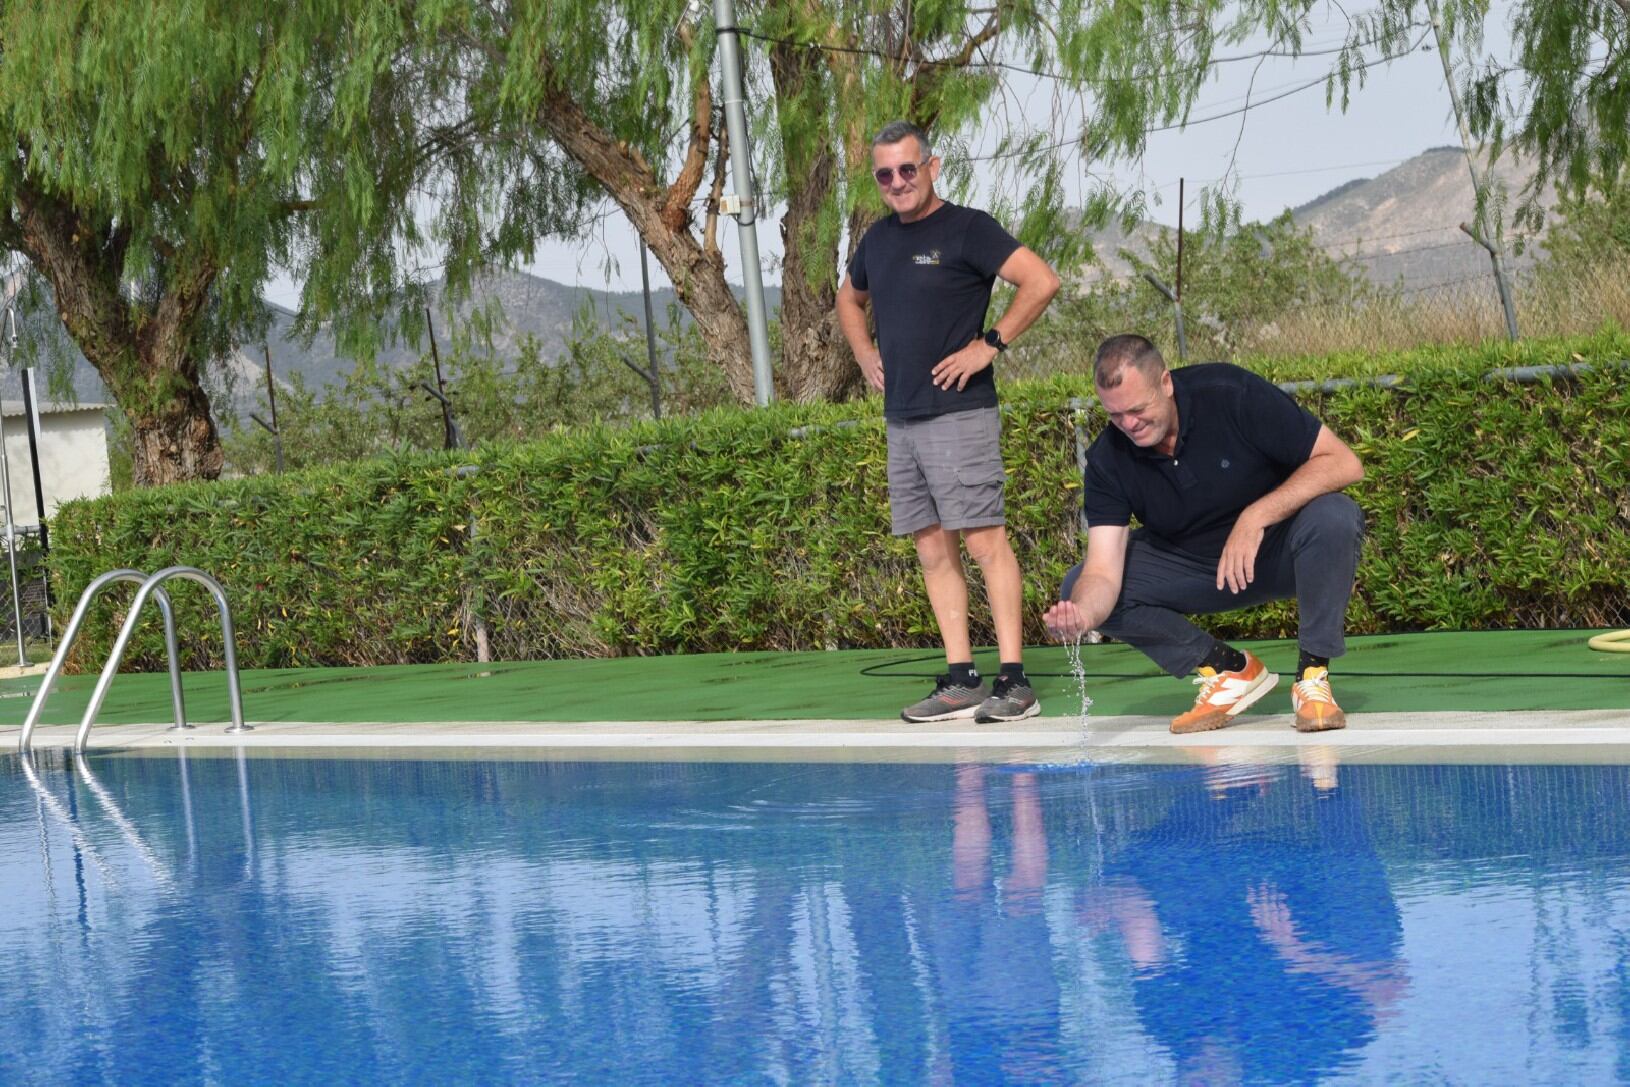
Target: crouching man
<point>1235,487</point>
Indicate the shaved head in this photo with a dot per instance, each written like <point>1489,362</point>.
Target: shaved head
<point>1118,353</point>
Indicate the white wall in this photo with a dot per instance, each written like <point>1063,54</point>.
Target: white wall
<point>73,458</point>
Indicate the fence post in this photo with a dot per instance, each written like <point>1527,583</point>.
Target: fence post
<point>1480,236</point>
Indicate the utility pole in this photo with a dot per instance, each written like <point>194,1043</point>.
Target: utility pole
<point>743,203</point>
<point>1480,234</point>
<point>271,398</point>
<point>1175,297</point>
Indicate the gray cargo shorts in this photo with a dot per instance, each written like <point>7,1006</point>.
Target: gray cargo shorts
<point>946,470</point>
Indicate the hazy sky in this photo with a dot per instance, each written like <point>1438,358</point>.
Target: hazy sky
<point>1285,152</point>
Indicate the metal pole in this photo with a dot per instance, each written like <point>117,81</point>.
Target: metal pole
<point>1495,255</point>
<point>741,175</point>
<point>1177,298</point>
<point>655,378</point>
<point>451,438</point>
<point>271,399</point>
<point>31,410</point>
<point>1182,344</point>
<point>11,547</point>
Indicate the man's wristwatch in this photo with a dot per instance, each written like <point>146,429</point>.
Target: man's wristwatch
<point>994,338</point>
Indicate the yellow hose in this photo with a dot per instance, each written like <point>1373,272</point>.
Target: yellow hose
<point>1614,641</point>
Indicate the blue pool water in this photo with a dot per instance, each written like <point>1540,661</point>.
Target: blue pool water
<point>284,921</point>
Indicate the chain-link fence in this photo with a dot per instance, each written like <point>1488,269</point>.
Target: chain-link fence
<point>31,604</point>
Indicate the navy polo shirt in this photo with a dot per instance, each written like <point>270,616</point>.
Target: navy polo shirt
<point>1238,437</point>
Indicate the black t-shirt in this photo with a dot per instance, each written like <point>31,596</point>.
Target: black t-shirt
<point>930,284</point>
<point>1238,437</point>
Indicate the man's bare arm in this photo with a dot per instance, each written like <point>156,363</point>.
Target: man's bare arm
<point>1037,283</point>
<point>851,308</point>
<point>1098,587</point>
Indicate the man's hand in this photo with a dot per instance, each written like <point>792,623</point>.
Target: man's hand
<point>871,365</point>
<point>1237,567</point>
<point>958,368</point>
<point>1065,622</point>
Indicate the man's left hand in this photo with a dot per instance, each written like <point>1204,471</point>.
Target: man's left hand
<point>1237,567</point>
<point>958,368</point>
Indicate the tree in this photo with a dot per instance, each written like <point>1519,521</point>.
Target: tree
<point>631,108</point>
<point>1562,101</point>
<point>152,179</point>
<point>168,156</point>
<point>1571,113</point>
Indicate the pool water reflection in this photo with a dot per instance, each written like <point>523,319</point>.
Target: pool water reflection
<point>304,920</point>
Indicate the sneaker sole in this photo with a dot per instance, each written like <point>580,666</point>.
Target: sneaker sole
<point>1210,724</point>
<point>1329,724</point>
<point>953,715</point>
<point>993,718</point>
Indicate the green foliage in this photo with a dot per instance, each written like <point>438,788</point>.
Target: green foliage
<point>1489,505</point>
<point>378,412</point>
<point>1587,233</point>
<point>1571,116</point>
<point>1237,279</point>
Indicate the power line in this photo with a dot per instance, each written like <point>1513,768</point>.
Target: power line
<point>1185,124</point>
<point>946,62</point>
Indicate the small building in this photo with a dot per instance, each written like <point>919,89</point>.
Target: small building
<point>73,456</point>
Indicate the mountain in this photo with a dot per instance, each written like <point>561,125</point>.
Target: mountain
<point>1398,229</point>
<point>529,305</point>
<point>1402,227</point>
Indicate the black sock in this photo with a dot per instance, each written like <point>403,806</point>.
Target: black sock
<point>1307,660</point>
<point>1015,672</point>
<point>1223,658</point>
<point>963,674</point>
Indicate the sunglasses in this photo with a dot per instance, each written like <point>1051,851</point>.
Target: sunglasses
<point>908,173</point>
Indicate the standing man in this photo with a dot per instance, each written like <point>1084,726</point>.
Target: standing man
<point>927,271</point>
<point>1235,487</point>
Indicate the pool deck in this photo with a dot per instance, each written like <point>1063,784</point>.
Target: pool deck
<point>1519,696</point>
<point>1526,736</point>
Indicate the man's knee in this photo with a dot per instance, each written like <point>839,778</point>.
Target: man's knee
<point>987,545</point>
<point>937,550</point>
<point>1329,517</point>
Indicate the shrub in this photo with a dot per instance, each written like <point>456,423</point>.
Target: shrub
<point>1490,504</point>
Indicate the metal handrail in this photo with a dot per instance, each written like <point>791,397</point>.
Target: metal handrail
<point>149,588</point>
<point>86,599</point>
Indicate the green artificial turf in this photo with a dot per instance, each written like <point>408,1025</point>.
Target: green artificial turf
<point>1480,671</point>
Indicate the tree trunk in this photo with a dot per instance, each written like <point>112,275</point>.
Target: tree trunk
<point>815,360</point>
<point>661,215</point>
<point>178,443</point>
<point>141,351</point>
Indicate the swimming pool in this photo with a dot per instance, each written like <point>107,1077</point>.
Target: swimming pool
<point>292,920</point>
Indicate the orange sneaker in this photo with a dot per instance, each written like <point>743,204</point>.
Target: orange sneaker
<point>1315,706</point>
<point>1224,694</point>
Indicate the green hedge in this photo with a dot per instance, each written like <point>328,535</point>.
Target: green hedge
<point>1490,504</point>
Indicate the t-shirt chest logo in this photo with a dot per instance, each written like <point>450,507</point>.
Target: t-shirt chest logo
<point>929,259</point>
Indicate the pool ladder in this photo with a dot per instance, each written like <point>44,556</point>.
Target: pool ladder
<point>151,586</point>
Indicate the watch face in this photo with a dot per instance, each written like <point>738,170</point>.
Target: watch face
<point>994,338</point>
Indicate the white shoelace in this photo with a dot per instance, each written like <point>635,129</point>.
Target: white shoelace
<point>1316,689</point>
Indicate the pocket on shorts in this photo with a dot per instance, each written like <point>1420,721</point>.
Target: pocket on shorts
<point>980,475</point>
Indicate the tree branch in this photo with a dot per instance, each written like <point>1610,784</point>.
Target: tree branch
<point>676,201</point>
<point>710,229</point>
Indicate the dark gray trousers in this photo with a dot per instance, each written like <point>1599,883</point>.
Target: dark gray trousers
<point>1312,558</point>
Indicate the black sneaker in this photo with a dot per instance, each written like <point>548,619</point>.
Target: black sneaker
<point>1009,701</point>
<point>950,701</point>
